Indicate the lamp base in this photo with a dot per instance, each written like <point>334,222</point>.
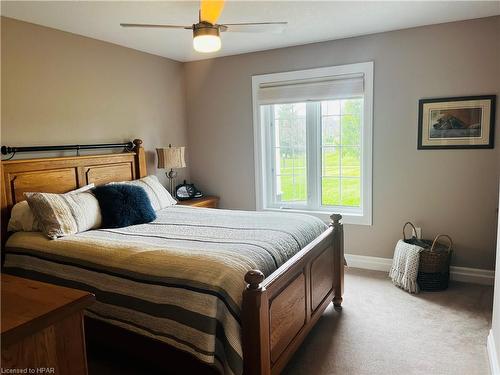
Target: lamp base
<point>171,175</point>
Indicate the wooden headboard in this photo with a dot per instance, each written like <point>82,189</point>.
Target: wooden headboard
<point>62,174</point>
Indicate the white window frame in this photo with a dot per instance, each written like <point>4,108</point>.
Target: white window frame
<point>262,187</point>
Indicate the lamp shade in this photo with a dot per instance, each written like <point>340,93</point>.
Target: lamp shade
<point>171,157</point>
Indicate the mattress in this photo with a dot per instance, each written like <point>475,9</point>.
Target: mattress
<point>178,279</point>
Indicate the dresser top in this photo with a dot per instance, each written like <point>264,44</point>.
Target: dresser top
<point>29,306</point>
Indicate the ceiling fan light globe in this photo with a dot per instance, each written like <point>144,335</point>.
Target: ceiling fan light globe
<point>206,43</point>
<point>206,38</point>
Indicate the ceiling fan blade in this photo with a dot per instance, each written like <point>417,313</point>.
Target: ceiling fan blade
<point>255,27</point>
<point>155,26</point>
<point>210,10</point>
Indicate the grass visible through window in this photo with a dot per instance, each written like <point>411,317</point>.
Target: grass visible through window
<point>293,188</point>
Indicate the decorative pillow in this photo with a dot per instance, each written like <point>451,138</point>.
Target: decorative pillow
<point>158,195</point>
<point>22,218</point>
<point>60,215</point>
<point>123,205</point>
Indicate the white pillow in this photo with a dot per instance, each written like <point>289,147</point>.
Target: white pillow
<point>157,194</point>
<point>22,218</point>
<point>82,189</point>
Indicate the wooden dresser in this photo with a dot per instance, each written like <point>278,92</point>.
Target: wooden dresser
<point>42,327</point>
<point>209,201</point>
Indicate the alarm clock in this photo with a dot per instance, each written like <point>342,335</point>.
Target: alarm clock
<point>187,191</point>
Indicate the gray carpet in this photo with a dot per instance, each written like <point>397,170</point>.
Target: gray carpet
<point>383,330</point>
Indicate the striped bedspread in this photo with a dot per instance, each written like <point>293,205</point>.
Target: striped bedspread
<point>178,279</point>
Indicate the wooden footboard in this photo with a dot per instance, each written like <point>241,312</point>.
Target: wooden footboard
<point>280,310</point>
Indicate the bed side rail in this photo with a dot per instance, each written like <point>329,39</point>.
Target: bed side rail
<point>279,311</point>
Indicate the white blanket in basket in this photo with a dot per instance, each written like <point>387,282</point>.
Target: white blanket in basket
<point>404,268</point>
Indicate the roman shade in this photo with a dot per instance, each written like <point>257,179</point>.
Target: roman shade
<point>315,89</point>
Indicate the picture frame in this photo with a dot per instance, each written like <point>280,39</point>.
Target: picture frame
<point>466,122</point>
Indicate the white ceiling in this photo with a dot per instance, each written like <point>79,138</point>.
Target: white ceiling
<point>307,21</point>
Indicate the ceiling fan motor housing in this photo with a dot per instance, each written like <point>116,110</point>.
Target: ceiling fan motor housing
<point>205,28</point>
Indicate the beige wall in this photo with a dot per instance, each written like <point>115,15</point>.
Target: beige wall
<point>60,88</point>
<point>452,191</point>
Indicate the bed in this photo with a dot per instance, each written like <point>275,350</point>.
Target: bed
<point>237,290</point>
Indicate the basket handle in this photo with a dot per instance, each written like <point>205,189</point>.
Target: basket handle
<point>438,237</point>
<point>404,227</point>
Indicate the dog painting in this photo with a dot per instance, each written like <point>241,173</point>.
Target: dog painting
<point>460,122</point>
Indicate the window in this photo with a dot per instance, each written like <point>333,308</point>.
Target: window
<point>313,140</point>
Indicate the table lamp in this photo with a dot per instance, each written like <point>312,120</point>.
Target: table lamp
<point>171,158</point>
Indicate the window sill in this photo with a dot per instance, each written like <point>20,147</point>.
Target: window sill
<point>347,218</point>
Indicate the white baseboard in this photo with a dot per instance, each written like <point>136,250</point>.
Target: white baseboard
<point>464,274</point>
<point>368,263</point>
<point>472,275</point>
<point>492,355</point>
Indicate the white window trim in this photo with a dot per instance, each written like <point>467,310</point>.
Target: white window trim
<point>367,140</point>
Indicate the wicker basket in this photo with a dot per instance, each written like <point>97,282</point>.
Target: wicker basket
<point>434,266</point>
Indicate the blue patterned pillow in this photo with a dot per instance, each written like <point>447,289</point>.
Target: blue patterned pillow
<point>123,205</point>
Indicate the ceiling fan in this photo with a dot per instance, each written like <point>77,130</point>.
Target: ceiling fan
<point>206,33</point>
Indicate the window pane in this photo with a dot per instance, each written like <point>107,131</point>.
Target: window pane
<point>291,169</point>
<point>331,161</point>
<point>351,192</point>
<point>351,130</point>
<point>351,162</point>
<point>293,188</point>
<point>352,106</point>
<point>330,130</point>
<point>330,107</point>
<point>330,191</point>
<point>351,121</point>
<point>341,125</point>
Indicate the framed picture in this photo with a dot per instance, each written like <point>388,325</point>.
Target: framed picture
<point>461,122</point>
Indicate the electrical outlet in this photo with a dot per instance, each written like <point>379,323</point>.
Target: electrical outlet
<point>418,234</point>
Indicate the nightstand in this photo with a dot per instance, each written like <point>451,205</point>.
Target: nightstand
<point>42,327</point>
<point>209,201</point>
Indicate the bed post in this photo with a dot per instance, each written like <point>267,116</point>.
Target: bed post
<point>338,250</point>
<point>140,159</point>
<point>255,329</point>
